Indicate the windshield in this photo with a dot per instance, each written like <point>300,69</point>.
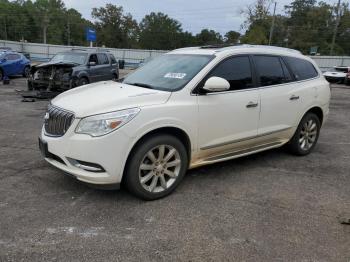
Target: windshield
<point>77,58</point>
<point>168,72</point>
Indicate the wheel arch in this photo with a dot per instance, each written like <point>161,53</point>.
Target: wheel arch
<point>83,74</point>
<point>317,111</point>
<point>172,130</point>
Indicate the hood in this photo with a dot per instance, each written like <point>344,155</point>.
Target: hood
<point>60,63</point>
<point>107,96</point>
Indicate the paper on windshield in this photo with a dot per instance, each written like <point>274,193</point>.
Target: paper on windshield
<point>175,75</point>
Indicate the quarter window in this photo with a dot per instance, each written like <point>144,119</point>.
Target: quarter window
<point>236,70</point>
<point>302,69</point>
<point>113,60</point>
<point>271,70</point>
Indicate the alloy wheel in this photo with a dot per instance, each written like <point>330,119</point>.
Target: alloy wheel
<point>159,168</point>
<point>308,135</point>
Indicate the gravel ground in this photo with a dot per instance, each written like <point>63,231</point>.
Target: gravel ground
<point>270,206</point>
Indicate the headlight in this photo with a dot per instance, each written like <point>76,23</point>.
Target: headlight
<point>100,125</point>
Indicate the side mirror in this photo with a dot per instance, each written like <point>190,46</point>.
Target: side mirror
<point>3,60</point>
<point>216,84</point>
<point>92,63</point>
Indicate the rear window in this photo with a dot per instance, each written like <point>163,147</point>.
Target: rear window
<point>302,69</point>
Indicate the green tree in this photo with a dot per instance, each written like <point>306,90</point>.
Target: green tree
<point>342,46</point>
<point>159,31</point>
<point>75,28</point>
<point>310,25</point>
<point>232,37</point>
<point>258,22</point>
<point>114,28</point>
<point>208,37</point>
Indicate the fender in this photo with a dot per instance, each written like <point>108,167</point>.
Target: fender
<point>83,74</point>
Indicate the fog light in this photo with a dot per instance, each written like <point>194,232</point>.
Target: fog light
<point>91,167</point>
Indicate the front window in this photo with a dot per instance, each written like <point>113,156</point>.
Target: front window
<point>76,58</point>
<point>168,72</point>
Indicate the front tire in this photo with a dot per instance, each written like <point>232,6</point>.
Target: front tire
<point>26,72</point>
<point>83,81</point>
<point>306,135</point>
<point>156,167</point>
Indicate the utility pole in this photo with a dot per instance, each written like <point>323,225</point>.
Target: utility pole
<point>336,27</point>
<point>273,23</point>
<point>45,25</point>
<point>68,32</point>
<point>5,28</point>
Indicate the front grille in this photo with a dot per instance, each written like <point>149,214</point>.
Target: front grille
<point>57,121</point>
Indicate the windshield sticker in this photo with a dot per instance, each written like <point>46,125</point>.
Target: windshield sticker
<point>175,75</point>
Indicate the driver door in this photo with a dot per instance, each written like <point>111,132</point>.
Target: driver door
<point>229,120</point>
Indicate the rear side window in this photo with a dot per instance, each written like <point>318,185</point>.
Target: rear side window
<point>13,57</point>
<point>302,69</point>
<point>271,71</point>
<point>113,60</point>
<point>103,59</point>
<point>236,70</point>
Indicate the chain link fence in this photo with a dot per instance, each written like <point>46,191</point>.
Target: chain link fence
<point>133,57</point>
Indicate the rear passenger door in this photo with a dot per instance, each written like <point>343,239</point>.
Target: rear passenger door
<point>104,67</point>
<point>279,95</point>
<point>94,72</point>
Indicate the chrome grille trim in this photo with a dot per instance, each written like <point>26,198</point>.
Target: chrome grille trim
<point>57,121</point>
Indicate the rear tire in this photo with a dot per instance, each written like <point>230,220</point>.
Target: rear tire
<point>1,74</point>
<point>306,135</point>
<point>156,167</point>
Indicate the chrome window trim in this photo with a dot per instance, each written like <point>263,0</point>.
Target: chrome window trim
<point>253,76</point>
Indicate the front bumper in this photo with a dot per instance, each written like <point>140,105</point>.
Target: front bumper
<point>108,152</point>
<point>50,84</point>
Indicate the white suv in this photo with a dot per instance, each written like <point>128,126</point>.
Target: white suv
<point>187,108</point>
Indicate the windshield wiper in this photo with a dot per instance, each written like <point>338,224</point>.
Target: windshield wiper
<point>141,85</point>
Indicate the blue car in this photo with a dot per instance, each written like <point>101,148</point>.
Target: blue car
<point>13,63</point>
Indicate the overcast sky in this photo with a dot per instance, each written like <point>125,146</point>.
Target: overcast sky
<point>221,15</point>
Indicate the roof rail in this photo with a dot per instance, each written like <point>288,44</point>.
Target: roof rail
<point>215,46</point>
<point>269,47</point>
<point>79,49</point>
<point>102,49</point>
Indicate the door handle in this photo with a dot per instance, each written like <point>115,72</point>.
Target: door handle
<point>252,104</point>
<point>294,97</point>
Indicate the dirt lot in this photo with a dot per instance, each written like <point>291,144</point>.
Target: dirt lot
<point>267,207</point>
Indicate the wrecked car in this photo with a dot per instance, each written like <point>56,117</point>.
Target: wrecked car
<point>67,70</point>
